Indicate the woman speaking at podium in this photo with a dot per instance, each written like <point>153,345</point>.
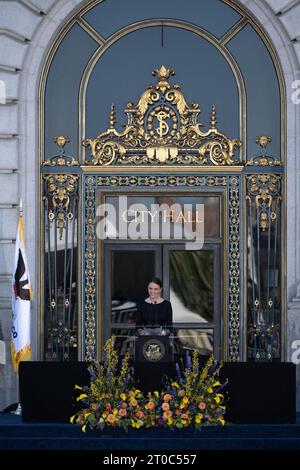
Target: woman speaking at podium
<point>154,315</point>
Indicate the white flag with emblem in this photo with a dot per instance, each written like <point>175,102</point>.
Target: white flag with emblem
<point>21,296</point>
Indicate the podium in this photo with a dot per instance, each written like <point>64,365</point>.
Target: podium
<point>153,361</point>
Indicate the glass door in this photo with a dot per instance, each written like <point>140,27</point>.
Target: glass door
<point>192,282</point>
<point>128,270</point>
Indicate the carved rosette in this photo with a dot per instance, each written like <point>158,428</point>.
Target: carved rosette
<point>162,129</point>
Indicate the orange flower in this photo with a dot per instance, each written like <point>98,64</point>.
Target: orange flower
<point>124,404</point>
<point>184,416</point>
<point>108,407</point>
<point>150,405</point>
<point>167,397</point>
<point>94,406</point>
<point>167,414</point>
<point>165,406</point>
<point>111,419</point>
<point>201,406</point>
<point>178,412</point>
<point>181,393</point>
<point>122,412</point>
<point>139,414</point>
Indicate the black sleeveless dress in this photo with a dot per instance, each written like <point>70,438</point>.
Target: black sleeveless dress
<point>154,314</point>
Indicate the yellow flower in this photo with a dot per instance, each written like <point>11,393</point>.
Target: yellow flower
<point>210,390</point>
<point>156,394</point>
<point>222,421</point>
<point>199,418</point>
<point>72,419</point>
<point>185,400</point>
<point>123,396</point>
<point>170,421</point>
<point>136,424</point>
<point>175,384</point>
<point>217,399</point>
<point>216,384</point>
<point>77,387</point>
<point>86,414</point>
<point>115,411</point>
<point>83,429</point>
<point>133,402</point>
<point>81,397</point>
<point>182,405</point>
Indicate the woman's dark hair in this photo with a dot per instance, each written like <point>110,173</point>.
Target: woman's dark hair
<point>157,281</point>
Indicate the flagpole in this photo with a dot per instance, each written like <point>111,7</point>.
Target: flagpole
<point>18,410</point>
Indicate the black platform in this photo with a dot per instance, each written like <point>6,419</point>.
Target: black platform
<point>17,435</point>
<point>257,393</point>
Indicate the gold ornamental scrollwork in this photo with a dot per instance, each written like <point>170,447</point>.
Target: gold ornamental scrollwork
<point>61,159</point>
<point>162,129</point>
<point>59,189</point>
<point>264,189</point>
<point>263,159</point>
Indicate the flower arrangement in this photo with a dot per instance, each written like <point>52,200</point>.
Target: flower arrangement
<point>193,399</point>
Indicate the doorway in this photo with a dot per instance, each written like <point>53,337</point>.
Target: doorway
<point>191,281</point>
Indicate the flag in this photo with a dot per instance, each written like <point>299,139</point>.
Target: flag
<point>21,296</point>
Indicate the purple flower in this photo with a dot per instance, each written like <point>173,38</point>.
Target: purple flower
<point>188,361</point>
<point>214,367</point>
<point>178,371</point>
<point>104,358</point>
<point>92,373</point>
<point>222,386</point>
<point>160,422</point>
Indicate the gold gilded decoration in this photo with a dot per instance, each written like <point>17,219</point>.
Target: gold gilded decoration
<point>153,350</point>
<point>264,159</point>
<point>263,140</point>
<point>230,183</point>
<point>264,189</point>
<point>61,140</point>
<point>162,129</point>
<point>61,159</point>
<point>60,188</point>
